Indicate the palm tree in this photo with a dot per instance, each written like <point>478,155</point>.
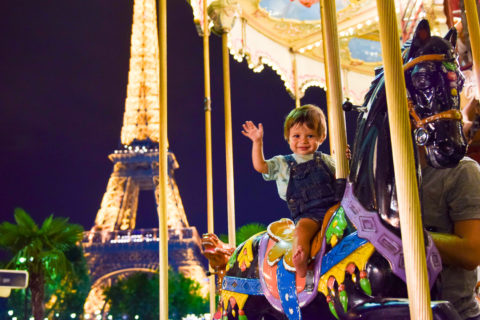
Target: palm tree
<point>40,251</point>
<point>68,295</point>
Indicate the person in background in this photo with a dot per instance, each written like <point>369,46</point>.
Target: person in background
<point>451,213</point>
<point>477,292</point>
<point>471,128</point>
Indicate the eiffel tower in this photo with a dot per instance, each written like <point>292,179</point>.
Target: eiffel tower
<point>114,248</point>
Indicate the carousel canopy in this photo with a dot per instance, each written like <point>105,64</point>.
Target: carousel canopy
<point>287,36</point>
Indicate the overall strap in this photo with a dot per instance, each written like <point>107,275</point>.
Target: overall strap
<point>290,160</point>
<point>318,159</point>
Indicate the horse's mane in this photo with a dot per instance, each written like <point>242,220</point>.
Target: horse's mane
<point>379,73</point>
<point>372,165</point>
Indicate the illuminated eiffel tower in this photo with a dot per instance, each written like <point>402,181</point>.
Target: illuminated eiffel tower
<point>114,248</point>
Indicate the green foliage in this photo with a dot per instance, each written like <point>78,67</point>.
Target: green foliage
<point>41,251</point>
<point>134,295</point>
<point>138,295</point>
<point>244,232</point>
<point>184,296</point>
<point>21,305</point>
<point>65,296</point>
<point>69,294</point>
<point>43,248</point>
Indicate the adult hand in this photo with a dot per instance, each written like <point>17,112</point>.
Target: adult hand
<point>348,152</point>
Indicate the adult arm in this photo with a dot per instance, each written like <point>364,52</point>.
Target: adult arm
<point>255,134</point>
<point>462,248</point>
<point>462,192</point>
<point>469,113</point>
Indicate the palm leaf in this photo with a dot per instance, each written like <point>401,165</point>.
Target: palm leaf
<point>60,234</point>
<point>46,224</point>
<point>55,226</point>
<point>55,264</point>
<point>68,238</point>
<point>24,220</point>
<point>9,234</point>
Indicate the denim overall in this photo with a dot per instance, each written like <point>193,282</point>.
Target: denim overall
<point>310,190</point>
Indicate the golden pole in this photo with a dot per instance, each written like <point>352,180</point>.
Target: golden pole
<point>323,14</point>
<point>474,32</point>
<point>228,141</point>
<point>295,80</point>
<point>334,87</point>
<point>163,163</point>
<point>208,142</point>
<point>404,164</point>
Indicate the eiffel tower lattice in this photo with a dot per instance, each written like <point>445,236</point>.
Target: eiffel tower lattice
<point>114,248</point>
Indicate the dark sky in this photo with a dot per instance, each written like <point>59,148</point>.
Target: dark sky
<point>63,78</point>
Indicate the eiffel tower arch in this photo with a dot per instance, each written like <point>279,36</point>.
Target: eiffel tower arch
<point>113,247</point>
<point>117,254</point>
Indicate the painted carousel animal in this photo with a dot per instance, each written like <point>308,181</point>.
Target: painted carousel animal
<point>357,266</point>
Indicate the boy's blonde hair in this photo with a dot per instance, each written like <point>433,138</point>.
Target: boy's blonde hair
<point>310,115</point>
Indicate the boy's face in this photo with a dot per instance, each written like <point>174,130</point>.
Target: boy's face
<point>303,140</point>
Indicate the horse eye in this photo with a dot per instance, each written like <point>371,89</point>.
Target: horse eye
<point>422,80</point>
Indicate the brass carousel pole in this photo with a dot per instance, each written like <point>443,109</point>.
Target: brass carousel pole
<point>163,163</point>
<point>208,142</point>
<point>324,47</point>
<point>296,91</point>
<point>404,164</point>
<point>223,14</point>
<point>474,32</point>
<point>228,141</point>
<point>334,87</point>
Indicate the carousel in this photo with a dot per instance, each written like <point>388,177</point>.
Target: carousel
<point>366,55</point>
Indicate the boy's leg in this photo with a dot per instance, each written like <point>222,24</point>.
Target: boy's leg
<point>305,230</point>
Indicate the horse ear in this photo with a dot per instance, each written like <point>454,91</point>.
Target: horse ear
<point>422,33</point>
<point>421,36</point>
<point>451,36</point>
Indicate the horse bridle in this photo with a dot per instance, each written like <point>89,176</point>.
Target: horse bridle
<point>421,134</point>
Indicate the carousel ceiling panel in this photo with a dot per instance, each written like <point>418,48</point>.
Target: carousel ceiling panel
<point>287,36</point>
<point>291,10</point>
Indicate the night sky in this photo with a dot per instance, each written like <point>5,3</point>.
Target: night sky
<point>63,79</point>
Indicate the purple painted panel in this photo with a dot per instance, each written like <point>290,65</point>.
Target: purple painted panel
<point>386,242</point>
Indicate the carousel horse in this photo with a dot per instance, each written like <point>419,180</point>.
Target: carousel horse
<point>356,268</point>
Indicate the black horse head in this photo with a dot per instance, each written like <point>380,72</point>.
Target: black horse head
<point>434,83</point>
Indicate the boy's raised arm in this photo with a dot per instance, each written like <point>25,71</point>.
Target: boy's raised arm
<point>255,134</point>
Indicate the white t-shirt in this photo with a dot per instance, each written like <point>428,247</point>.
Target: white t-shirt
<point>279,170</point>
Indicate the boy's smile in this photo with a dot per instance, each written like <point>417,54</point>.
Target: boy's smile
<point>303,140</point>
